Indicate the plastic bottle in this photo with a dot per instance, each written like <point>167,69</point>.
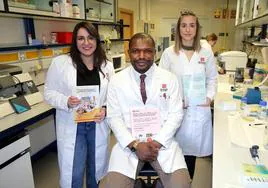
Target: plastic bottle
<point>262,112</point>
<point>30,40</point>
<point>243,103</point>
<point>265,138</point>
<point>63,8</point>
<point>56,7</point>
<point>76,11</point>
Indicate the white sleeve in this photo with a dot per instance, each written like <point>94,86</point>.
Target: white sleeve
<point>115,117</point>
<point>211,76</point>
<point>175,115</point>
<point>165,61</point>
<point>52,93</point>
<point>111,72</point>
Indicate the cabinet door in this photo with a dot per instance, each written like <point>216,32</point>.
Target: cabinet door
<point>31,7</point>
<point>93,10</point>
<point>2,5</point>
<point>107,10</point>
<point>45,7</point>
<point>247,10</point>
<point>262,7</point>
<point>239,12</point>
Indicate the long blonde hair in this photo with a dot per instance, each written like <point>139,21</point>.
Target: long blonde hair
<point>178,39</point>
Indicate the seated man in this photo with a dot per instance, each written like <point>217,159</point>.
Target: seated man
<point>144,97</point>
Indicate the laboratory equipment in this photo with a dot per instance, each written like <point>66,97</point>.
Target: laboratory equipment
<point>253,95</point>
<point>233,59</point>
<point>15,86</point>
<point>9,69</point>
<point>254,153</point>
<point>243,103</point>
<point>262,112</point>
<point>264,76</point>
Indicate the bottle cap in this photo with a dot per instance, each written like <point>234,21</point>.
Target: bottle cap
<point>244,99</point>
<point>263,103</point>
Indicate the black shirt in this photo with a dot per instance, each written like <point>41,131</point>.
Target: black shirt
<point>88,77</point>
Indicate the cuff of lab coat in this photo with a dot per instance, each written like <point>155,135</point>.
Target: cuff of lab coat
<point>161,141</point>
<point>211,97</point>
<point>65,104</point>
<point>126,142</point>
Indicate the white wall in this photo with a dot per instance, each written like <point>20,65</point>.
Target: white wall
<point>12,31</point>
<point>166,12</point>
<point>163,13</point>
<point>2,5</point>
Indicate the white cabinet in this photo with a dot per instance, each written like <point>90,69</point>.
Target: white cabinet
<point>262,7</point>
<point>15,164</point>
<point>239,12</point>
<point>107,11</point>
<point>247,13</point>
<point>100,10</point>
<point>251,13</point>
<point>2,5</point>
<point>45,7</point>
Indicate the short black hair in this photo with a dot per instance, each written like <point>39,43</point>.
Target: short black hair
<point>143,36</point>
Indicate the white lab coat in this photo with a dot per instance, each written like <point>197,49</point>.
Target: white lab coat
<point>195,134</point>
<point>60,82</point>
<point>124,94</point>
<point>204,43</point>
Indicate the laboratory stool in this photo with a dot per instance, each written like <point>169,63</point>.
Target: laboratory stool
<point>148,171</point>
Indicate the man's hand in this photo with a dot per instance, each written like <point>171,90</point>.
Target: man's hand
<point>146,151</point>
<point>155,145</point>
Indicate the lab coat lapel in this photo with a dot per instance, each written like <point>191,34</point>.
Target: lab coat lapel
<point>136,86</point>
<point>154,86</point>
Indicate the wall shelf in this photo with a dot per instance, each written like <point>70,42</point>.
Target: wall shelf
<point>28,15</point>
<point>12,47</point>
<point>254,22</point>
<point>256,43</point>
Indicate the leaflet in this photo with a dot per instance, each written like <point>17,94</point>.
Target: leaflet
<point>87,110</point>
<point>194,89</point>
<point>145,122</point>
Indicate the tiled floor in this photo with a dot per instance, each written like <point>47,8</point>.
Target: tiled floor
<point>46,173</point>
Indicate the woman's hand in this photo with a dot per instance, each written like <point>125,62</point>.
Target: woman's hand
<point>73,102</point>
<point>100,117</point>
<point>207,103</point>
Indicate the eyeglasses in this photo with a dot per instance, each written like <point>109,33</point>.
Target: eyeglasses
<point>147,51</point>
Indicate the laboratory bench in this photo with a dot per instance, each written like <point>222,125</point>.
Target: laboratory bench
<point>227,156</point>
<point>22,138</point>
<point>14,123</point>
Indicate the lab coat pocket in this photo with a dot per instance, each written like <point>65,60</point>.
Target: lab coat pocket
<point>204,114</point>
<point>102,134</point>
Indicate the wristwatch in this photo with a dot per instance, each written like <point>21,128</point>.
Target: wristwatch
<point>134,146</point>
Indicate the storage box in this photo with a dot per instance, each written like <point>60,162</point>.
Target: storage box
<point>64,37</point>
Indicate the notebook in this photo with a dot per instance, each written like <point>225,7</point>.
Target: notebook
<point>19,104</point>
